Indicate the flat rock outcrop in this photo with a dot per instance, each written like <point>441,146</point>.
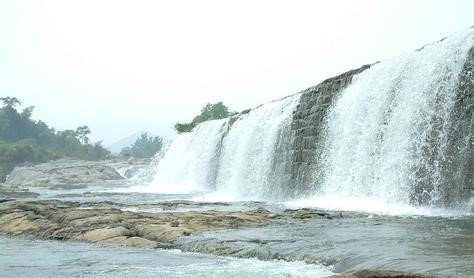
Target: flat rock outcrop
<point>65,174</point>
<point>106,223</point>
<point>54,219</point>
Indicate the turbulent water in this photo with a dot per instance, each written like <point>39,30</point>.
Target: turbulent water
<point>236,157</point>
<point>248,160</point>
<point>191,159</point>
<point>386,141</point>
<point>315,247</point>
<point>32,258</point>
<point>387,134</point>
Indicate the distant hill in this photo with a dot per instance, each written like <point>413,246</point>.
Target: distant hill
<point>116,147</point>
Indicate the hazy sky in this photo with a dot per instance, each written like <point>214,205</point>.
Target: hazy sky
<point>124,66</point>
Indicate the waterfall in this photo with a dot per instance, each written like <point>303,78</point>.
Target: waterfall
<point>386,135</point>
<point>397,132</point>
<point>237,157</point>
<point>190,162</point>
<point>249,166</point>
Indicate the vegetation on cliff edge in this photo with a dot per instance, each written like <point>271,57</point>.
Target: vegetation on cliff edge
<point>208,112</point>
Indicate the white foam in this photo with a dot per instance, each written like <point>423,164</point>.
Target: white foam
<point>248,153</point>
<point>189,162</point>
<point>371,205</point>
<point>234,159</point>
<point>386,134</point>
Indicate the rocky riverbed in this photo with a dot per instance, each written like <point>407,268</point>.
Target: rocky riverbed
<point>79,202</point>
<point>111,223</point>
<point>105,223</point>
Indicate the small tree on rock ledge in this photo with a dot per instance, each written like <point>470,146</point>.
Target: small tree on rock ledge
<point>208,112</point>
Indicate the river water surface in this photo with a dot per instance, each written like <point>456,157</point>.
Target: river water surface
<point>442,245</point>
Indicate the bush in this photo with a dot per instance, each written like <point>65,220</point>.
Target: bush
<point>208,112</point>
<point>144,147</point>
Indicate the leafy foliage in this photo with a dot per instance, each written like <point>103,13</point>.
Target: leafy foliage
<point>145,146</point>
<point>10,101</point>
<point>186,127</point>
<point>81,134</point>
<point>208,112</point>
<point>25,140</point>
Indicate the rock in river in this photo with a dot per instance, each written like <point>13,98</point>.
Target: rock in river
<point>54,219</point>
<point>67,174</point>
<point>379,274</point>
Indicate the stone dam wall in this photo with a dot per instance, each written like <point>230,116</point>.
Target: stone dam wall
<point>307,131</point>
<point>306,128</point>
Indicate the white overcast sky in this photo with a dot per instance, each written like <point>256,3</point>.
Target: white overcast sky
<point>123,66</point>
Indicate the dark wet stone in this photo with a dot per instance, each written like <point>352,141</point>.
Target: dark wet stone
<point>90,194</point>
<point>16,194</point>
<point>379,274</point>
<point>307,213</point>
<point>174,224</point>
<point>306,125</point>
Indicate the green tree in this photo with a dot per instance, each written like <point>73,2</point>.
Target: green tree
<point>145,146</point>
<point>10,102</point>
<point>212,112</point>
<point>82,132</point>
<point>184,127</point>
<point>11,123</point>
<point>27,112</point>
<point>208,112</point>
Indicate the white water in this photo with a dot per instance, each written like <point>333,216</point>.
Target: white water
<point>373,206</point>
<point>29,258</point>
<point>387,132</point>
<point>246,165</point>
<point>189,162</point>
<point>385,138</point>
<point>235,161</point>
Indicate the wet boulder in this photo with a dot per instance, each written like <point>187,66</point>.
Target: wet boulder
<point>379,274</point>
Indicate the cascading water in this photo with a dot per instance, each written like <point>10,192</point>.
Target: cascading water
<point>250,167</point>
<point>190,161</point>
<point>237,156</point>
<point>386,135</point>
<point>384,138</point>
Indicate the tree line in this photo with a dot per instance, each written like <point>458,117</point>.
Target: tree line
<point>23,139</point>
